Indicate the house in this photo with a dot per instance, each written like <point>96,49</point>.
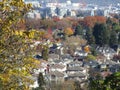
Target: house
<point>115,68</point>
<point>110,62</point>
<point>60,61</point>
<point>53,49</point>
<point>57,67</point>
<point>67,57</point>
<point>78,76</point>
<point>106,51</point>
<point>80,53</point>
<point>75,63</point>
<point>103,66</point>
<point>56,76</point>
<point>101,58</point>
<point>90,63</point>
<point>56,48</point>
<point>105,74</point>
<point>74,69</point>
<point>116,48</point>
<point>79,58</point>
<point>53,57</point>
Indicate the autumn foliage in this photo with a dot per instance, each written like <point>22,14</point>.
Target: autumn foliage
<point>87,49</point>
<point>16,53</point>
<point>68,31</point>
<point>90,21</point>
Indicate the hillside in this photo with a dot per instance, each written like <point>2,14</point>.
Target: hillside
<point>98,2</point>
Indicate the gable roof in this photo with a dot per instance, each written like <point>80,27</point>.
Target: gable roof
<point>56,73</point>
<point>75,68</point>
<point>78,74</point>
<point>57,66</point>
<point>75,62</point>
<point>54,56</point>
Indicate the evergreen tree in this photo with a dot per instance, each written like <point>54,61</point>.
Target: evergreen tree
<point>45,53</point>
<point>41,82</point>
<point>89,36</point>
<point>93,51</point>
<point>116,27</point>
<point>101,34</point>
<point>119,38</point>
<point>109,21</point>
<point>78,30</point>
<point>113,38</point>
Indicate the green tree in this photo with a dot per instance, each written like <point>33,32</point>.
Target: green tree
<point>41,82</point>
<point>89,36</point>
<point>116,27</point>
<point>78,30</point>
<point>93,51</point>
<point>113,38</point>
<point>96,83</point>
<point>112,82</point>
<point>91,57</point>
<point>119,38</point>
<point>109,21</point>
<point>45,53</point>
<point>77,85</point>
<point>101,34</point>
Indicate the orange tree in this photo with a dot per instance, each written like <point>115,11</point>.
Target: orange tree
<point>68,31</point>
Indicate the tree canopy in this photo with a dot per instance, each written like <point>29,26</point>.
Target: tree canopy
<point>101,34</point>
<point>111,82</point>
<point>16,60</point>
<point>78,30</point>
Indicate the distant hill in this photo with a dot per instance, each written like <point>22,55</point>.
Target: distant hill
<point>98,2</point>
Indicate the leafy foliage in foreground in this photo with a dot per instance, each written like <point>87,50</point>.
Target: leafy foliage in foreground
<point>111,82</point>
<point>16,61</point>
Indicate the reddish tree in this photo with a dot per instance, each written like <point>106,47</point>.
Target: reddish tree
<point>100,19</point>
<point>89,21</point>
<point>56,19</point>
